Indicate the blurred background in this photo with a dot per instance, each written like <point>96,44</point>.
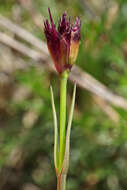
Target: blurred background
<point>99,130</point>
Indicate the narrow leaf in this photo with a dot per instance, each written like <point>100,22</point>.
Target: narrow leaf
<point>55,130</point>
<point>67,146</point>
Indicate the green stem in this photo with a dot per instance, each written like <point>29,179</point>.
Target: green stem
<point>63,93</point>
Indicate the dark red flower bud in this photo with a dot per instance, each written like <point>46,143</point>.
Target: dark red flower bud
<point>63,43</point>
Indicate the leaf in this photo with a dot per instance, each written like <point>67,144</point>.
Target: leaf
<point>55,130</point>
<point>67,146</point>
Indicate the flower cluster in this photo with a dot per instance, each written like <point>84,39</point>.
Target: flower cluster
<point>63,42</point>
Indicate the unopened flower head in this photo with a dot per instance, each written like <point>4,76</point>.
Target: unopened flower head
<point>63,43</point>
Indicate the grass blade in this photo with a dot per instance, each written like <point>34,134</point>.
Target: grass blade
<point>55,130</point>
<point>67,146</point>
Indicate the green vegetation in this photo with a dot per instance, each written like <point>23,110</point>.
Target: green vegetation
<point>98,140</point>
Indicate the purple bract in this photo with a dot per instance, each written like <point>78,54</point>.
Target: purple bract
<point>63,43</point>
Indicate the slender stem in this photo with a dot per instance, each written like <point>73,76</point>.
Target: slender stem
<point>63,92</point>
<point>61,182</point>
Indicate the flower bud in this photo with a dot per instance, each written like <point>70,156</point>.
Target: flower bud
<point>63,43</point>
<point>75,41</point>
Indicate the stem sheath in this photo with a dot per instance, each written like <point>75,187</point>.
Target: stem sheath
<point>61,182</point>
